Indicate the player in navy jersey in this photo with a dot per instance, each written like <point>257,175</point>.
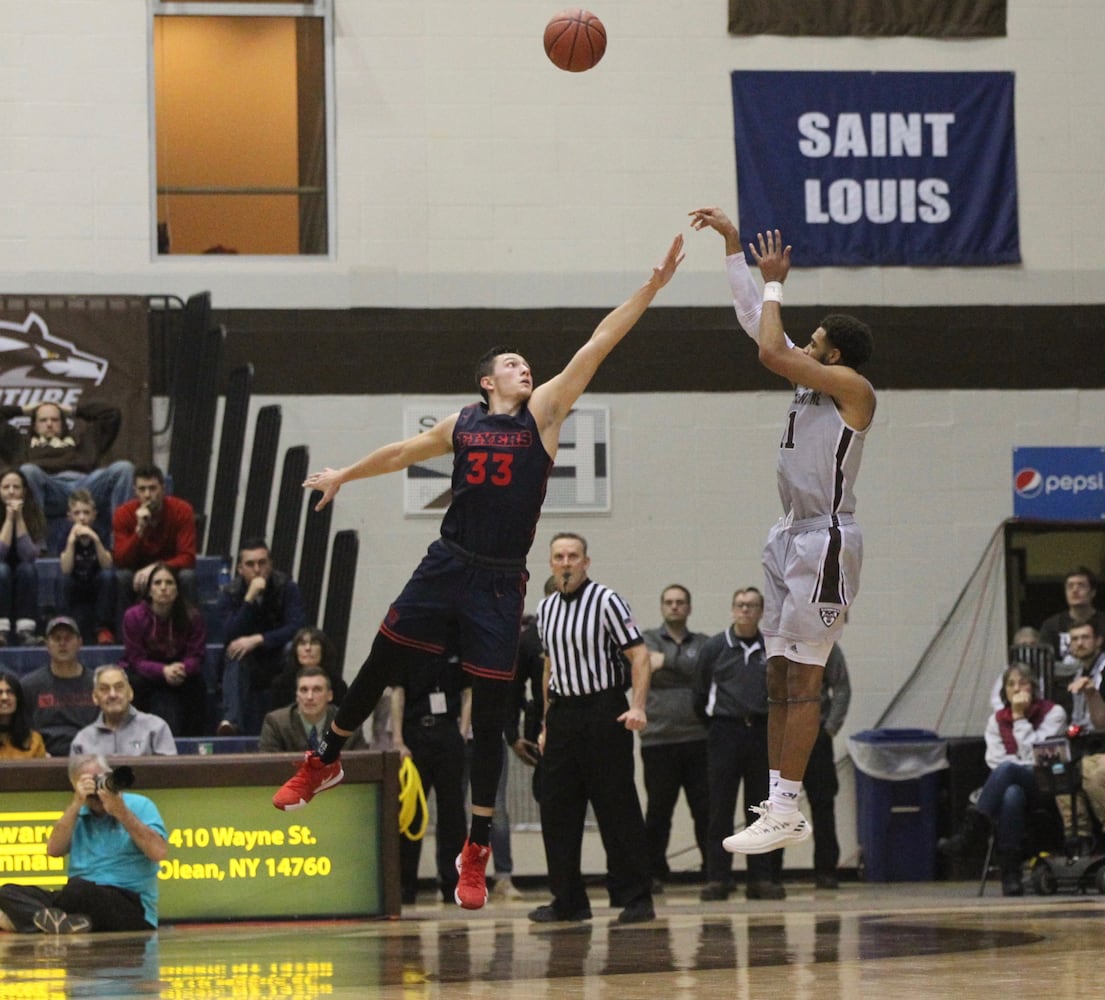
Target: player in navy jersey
<point>813,554</point>
<point>470,586</point>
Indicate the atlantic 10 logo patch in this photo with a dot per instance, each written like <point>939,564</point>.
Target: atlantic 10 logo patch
<point>1029,483</point>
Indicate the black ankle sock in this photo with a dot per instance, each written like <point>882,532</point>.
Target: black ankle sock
<point>329,747</point>
<point>481,830</point>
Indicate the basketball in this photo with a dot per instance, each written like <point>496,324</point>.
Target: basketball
<point>575,40</point>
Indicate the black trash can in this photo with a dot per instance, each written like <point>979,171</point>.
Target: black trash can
<point>897,788</point>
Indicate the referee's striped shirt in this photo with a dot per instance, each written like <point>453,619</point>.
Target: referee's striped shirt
<point>582,635</point>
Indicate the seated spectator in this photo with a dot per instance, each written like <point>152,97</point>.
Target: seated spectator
<point>121,730</point>
<point>59,695</point>
<point>17,738</point>
<point>1026,649</point>
<point>59,458</point>
<point>153,528</point>
<point>21,536</point>
<point>260,610</point>
<point>310,647</point>
<point>86,586</point>
<point>299,727</point>
<point>164,641</point>
<point>115,842</point>
<point>1011,792</point>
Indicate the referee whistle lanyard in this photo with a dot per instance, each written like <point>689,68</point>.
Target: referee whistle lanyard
<point>412,801</point>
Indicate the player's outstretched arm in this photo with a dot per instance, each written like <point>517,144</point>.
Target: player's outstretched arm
<point>852,392</point>
<point>438,440</point>
<point>745,291</point>
<point>714,218</point>
<point>552,400</point>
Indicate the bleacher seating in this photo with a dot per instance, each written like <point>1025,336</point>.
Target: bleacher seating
<point>21,660</point>
<point>207,585</point>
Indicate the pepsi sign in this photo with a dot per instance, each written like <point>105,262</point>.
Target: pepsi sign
<point>1059,484</point>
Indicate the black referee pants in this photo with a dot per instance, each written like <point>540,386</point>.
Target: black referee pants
<point>822,784</point>
<point>736,752</point>
<point>589,758</point>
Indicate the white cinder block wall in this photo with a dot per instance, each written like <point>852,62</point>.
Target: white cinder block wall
<point>471,173</point>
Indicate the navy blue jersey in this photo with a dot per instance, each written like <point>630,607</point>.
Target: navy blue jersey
<point>500,471</point>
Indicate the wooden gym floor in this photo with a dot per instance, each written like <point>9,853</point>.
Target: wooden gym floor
<point>930,940</point>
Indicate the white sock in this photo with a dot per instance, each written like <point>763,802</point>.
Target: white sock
<point>772,778</point>
<point>784,797</point>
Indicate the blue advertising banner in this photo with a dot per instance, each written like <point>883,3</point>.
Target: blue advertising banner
<point>1059,484</point>
<point>879,168</point>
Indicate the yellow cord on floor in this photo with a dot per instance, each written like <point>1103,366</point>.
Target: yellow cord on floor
<point>412,800</point>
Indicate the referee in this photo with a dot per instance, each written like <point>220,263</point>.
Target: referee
<point>587,739</point>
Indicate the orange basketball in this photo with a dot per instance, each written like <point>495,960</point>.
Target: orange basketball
<point>575,40</point>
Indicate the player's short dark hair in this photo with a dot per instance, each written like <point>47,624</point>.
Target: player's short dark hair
<point>486,365</point>
<point>850,336</point>
<point>149,472</point>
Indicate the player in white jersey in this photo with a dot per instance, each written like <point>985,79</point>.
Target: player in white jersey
<point>813,554</point>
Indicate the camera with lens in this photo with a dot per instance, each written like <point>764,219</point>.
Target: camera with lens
<point>117,780</point>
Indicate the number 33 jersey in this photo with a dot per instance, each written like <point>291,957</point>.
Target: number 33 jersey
<point>500,472</point>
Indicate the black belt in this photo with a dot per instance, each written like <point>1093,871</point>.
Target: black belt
<point>583,699</point>
<point>432,720</point>
<point>483,562</point>
<point>751,719</point>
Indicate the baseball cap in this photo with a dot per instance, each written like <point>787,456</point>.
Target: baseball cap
<point>65,620</point>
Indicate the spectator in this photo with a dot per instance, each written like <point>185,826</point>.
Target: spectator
<point>260,610</point>
<point>120,729</point>
<point>820,781</point>
<point>21,536</point>
<point>153,528</point>
<point>1026,648</point>
<point>586,630</point>
<point>164,641</point>
<point>673,747</point>
<point>1011,791</point>
<point>61,458</point>
<point>298,726</point>
<point>86,586</point>
<point>1080,588</point>
<point>115,841</point>
<point>1088,716</point>
<point>434,710</point>
<point>59,695</point>
<point>310,647</point>
<point>731,692</point>
<point>17,739</point>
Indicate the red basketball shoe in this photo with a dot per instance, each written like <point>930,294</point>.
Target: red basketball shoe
<point>312,777</point>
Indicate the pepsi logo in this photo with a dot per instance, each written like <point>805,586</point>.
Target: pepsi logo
<point>1028,483</point>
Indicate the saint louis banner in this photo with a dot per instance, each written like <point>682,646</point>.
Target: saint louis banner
<point>879,168</point>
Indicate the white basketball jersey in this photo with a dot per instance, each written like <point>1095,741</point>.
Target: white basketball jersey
<point>819,458</point>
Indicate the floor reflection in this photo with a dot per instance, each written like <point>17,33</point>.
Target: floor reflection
<point>689,948</point>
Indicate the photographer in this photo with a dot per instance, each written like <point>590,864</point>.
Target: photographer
<point>114,840</point>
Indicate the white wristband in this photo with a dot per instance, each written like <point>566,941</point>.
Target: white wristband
<point>773,291</point>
